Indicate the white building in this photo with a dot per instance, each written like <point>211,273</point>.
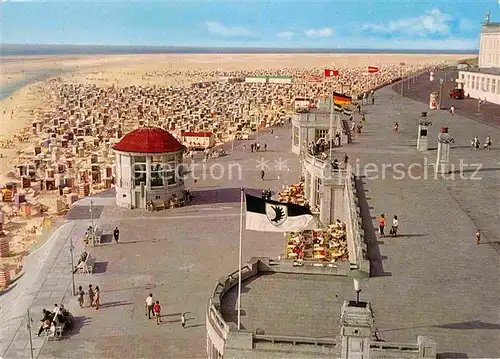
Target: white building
<point>484,82</point>
<point>198,140</point>
<point>148,168</point>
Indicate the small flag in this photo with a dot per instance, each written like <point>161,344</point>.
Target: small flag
<point>330,73</point>
<point>373,69</point>
<point>273,216</point>
<point>314,78</point>
<point>340,99</point>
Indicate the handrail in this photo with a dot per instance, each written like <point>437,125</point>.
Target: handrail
<point>394,346</point>
<point>294,339</point>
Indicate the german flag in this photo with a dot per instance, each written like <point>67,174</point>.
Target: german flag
<point>340,99</point>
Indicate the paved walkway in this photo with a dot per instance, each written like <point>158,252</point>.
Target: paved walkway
<point>432,278</point>
<point>421,87</point>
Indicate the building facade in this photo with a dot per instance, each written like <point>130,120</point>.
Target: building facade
<point>198,140</point>
<point>484,82</point>
<point>148,168</point>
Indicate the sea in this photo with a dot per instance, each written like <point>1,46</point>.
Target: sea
<point>10,52</point>
<point>27,50</point>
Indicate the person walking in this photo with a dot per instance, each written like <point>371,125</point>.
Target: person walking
<point>265,147</point>
<point>478,237</point>
<point>452,110</point>
<point>346,159</point>
<point>183,319</point>
<point>487,143</point>
<point>157,311</point>
<point>97,297</point>
<point>395,225</point>
<point>149,305</point>
<point>262,174</point>
<point>381,225</point>
<point>396,127</point>
<point>91,295</point>
<point>244,148</point>
<point>116,234</point>
<point>80,295</point>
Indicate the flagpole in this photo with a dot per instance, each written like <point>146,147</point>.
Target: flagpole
<point>239,260</point>
<point>331,127</point>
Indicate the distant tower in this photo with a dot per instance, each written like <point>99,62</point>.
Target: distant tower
<point>487,18</point>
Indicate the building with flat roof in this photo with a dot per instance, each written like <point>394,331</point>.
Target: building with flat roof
<point>484,82</point>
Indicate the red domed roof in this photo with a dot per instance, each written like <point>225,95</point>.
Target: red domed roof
<point>148,140</point>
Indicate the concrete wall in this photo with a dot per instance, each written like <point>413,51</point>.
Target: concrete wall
<point>481,85</point>
<point>226,341</point>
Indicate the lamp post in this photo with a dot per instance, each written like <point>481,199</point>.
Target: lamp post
<point>28,326</point>
<point>357,288</point>
<point>71,248</point>
<point>92,233</point>
<point>441,82</point>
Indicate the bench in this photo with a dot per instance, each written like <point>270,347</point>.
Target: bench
<point>97,234</point>
<point>158,205</point>
<point>86,267</point>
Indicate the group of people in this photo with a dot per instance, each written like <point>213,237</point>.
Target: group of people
<point>475,144</point>
<point>153,309</point>
<point>58,316</point>
<point>382,224</point>
<point>255,147</point>
<point>94,296</point>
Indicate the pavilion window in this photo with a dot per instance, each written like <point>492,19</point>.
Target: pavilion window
<point>493,85</point>
<point>170,175</point>
<point>158,171</point>
<point>139,173</point>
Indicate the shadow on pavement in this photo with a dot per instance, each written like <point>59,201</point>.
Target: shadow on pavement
<point>370,234</point>
<point>115,304</point>
<point>100,267</point>
<point>78,323</point>
<point>222,195</point>
<point>449,355</point>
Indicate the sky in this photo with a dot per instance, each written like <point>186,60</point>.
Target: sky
<point>357,24</point>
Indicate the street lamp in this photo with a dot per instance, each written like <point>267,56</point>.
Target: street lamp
<point>92,232</point>
<point>357,288</point>
<point>71,248</point>
<point>28,326</point>
<point>441,82</point>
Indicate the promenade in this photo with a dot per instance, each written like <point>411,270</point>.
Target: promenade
<point>432,279</point>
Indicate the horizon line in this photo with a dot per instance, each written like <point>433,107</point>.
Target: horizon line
<point>218,49</point>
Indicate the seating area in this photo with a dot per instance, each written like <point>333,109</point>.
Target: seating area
<point>328,244</point>
<point>174,202</point>
<point>85,264</point>
<point>55,323</point>
<point>293,194</point>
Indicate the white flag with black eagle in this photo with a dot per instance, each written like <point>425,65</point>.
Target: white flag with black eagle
<point>272,216</point>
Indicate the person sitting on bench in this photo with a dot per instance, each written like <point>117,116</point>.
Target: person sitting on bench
<point>46,321</point>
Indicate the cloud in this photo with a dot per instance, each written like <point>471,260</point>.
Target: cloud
<point>448,43</point>
<point>434,22</point>
<point>324,32</point>
<point>217,28</point>
<point>286,35</point>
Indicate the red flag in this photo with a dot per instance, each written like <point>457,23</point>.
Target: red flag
<point>373,69</point>
<point>329,73</point>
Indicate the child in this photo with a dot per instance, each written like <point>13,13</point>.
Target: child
<point>478,237</point>
<point>381,224</point>
<point>80,294</point>
<point>395,225</point>
<point>97,298</point>
<point>157,311</point>
<point>183,319</point>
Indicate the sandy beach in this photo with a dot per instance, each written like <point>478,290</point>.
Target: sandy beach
<point>142,78</point>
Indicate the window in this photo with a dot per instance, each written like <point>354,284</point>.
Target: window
<point>318,193</point>
<point>483,87</point>
<point>157,171</point>
<point>139,173</point>
<point>493,85</point>
<point>321,134</point>
<point>487,85</point>
<point>296,136</point>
